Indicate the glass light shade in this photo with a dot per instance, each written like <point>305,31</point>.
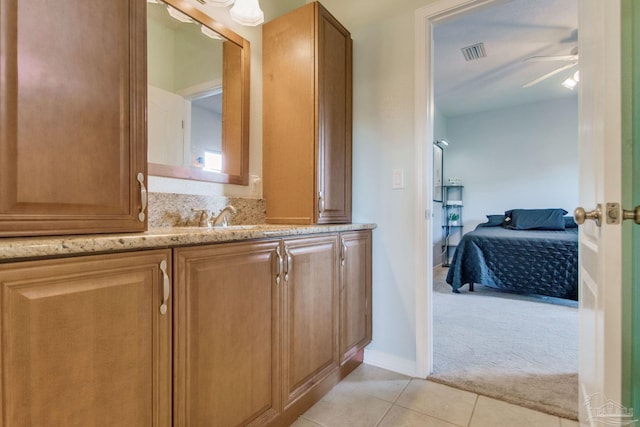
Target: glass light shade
<point>220,3</point>
<point>176,14</point>
<point>247,12</point>
<point>210,33</point>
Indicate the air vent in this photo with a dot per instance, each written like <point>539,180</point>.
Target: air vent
<point>473,52</point>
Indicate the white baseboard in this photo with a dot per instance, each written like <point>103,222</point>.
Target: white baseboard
<point>390,362</point>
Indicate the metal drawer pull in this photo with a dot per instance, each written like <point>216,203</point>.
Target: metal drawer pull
<point>143,197</point>
<point>344,252</point>
<point>166,287</point>
<point>279,265</point>
<point>320,203</point>
<point>289,263</point>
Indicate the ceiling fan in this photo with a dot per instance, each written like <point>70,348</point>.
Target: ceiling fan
<point>571,59</point>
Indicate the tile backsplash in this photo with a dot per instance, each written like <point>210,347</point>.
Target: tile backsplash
<point>171,210</point>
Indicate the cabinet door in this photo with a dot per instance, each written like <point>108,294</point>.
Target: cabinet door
<point>84,342</point>
<point>334,119</point>
<point>226,335</point>
<point>307,91</point>
<point>310,313</point>
<point>355,293</point>
<point>72,116</point>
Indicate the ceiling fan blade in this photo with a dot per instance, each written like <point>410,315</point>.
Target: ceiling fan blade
<point>571,58</point>
<point>552,73</point>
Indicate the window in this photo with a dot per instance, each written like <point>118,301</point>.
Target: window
<point>213,161</point>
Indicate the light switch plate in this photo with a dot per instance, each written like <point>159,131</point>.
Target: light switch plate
<point>397,180</point>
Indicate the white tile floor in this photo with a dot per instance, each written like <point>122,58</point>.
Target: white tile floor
<point>374,397</point>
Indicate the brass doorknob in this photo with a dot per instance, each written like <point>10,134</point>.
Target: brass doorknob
<point>634,214</point>
<point>580,215</point>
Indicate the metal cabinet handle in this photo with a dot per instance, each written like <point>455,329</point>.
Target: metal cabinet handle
<point>166,287</point>
<point>344,252</point>
<point>143,197</point>
<point>320,203</point>
<point>289,263</point>
<point>279,264</point>
<point>580,215</point>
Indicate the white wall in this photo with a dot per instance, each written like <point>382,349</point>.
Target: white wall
<point>519,157</point>
<point>383,140</point>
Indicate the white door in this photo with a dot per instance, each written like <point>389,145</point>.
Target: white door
<point>166,125</point>
<point>600,182</point>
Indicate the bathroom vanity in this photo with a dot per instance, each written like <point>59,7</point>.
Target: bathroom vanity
<point>245,325</point>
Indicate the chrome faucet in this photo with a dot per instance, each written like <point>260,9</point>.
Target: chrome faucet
<point>222,220</point>
<point>203,221</point>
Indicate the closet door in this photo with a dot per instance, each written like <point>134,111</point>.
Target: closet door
<point>72,117</point>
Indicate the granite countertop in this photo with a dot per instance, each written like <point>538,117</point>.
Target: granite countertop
<point>19,248</point>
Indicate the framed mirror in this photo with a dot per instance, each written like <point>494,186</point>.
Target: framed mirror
<point>197,96</point>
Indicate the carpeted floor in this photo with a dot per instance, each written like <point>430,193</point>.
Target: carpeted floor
<point>519,349</point>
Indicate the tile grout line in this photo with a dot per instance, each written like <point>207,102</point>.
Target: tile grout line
<point>402,391</point>
<point>473,411</point>
<point>393,403</point>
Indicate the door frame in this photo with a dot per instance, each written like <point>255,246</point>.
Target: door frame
<point>425,18</point>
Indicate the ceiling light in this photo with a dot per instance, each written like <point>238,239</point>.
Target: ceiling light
<point>570,83</point>
<point>247,12</point>
<point>176,14</point>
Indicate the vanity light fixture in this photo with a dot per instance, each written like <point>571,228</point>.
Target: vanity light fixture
<point>244,12</point>
<point>220,3</point>
<point>247,12</point>
<point>210,33</point>
<point>176,14</point>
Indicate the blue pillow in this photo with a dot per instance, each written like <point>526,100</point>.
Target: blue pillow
<point>493,221</point>
<point>569,222</point>
<point>535,219</point>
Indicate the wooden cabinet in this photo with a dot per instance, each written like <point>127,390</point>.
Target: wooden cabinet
<point>246,334</point>
<point>72,117</point>
<point>310,313</point>
<point>84,342</point>
<point>307,91</point>
<point>227,332</point>
<point>355,293</point>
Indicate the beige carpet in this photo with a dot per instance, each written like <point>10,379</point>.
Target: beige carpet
<point>515,348</point>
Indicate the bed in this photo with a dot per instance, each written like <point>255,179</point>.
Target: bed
<point>532,256</point>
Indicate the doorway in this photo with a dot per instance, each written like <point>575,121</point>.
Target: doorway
<point>433,16</point>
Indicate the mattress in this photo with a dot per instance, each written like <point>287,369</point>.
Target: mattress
<point>542,262</point>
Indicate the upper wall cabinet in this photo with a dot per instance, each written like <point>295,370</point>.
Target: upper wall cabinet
<point>72,117</point>
<point>307,69</point>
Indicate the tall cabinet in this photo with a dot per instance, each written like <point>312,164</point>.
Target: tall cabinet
<point>72,117</point>
<point>307,87</point>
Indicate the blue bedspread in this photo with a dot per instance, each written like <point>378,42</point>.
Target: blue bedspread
<point>529,261</point>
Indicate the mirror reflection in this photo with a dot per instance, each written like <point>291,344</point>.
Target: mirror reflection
<point>196,98</point>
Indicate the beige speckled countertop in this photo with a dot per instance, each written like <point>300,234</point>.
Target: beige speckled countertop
<point>20,248</point>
